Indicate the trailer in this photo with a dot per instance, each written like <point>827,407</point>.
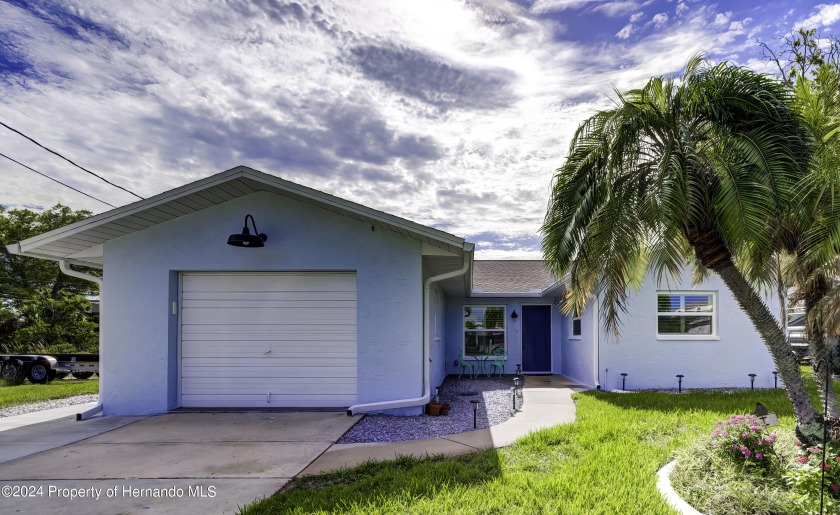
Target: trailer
<point>42,368</point>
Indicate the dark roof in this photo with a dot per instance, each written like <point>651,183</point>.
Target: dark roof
<point>512,276</point>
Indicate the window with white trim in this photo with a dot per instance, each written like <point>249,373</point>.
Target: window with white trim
<point>686,314</point>
<point>576,325</point>
<point>484,330</point>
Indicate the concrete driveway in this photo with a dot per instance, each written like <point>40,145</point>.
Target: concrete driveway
<point>175,463</point>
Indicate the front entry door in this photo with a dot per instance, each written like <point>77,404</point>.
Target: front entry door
<point>536,339</point>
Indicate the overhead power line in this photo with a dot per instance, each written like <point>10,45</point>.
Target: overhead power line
<point>55,180</point>
<point>69,161</point>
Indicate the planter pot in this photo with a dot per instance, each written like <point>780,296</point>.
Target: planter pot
<point>433,408</point>
<point>444,409</point>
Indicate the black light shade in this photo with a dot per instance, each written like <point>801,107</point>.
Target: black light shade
<point>246,239</point>
<point>514,315</point>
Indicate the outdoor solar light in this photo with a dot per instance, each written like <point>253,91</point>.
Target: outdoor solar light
<point>475,413</point>
<point>679,385</point>
<point>623,378</point>
<point>775,379</point>
<point>519,369</point>
<point>752,381</point>
<point>246,239</point>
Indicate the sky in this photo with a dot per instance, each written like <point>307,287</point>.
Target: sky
<point>450,113</point>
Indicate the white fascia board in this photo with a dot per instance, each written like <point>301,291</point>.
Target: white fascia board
<point>26,246</point>
<point>127,210</point>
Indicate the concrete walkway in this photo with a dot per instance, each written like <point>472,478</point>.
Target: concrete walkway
<point>548,402</point>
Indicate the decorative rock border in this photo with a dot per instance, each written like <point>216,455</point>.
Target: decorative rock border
<point>663,483</point>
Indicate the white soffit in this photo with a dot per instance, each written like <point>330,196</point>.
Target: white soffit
<point>82,242</point>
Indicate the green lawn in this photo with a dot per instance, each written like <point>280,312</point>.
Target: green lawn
<point>26,393</point>
<point>605,462</point>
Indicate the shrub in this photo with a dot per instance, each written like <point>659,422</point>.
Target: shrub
<point>806,476</point>
<point>745,439</point>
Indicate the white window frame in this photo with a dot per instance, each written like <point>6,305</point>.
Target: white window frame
<point>464,328</point>
<point>713,314</point>
<point>572,335</point>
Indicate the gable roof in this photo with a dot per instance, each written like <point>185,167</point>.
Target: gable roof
<point>82,242</point>
<point>529,277</point>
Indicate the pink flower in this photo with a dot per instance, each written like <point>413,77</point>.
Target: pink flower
<point>802,459</point>
<point>814,450</point>
<point>826,466</point>
<point>745,435</point>
<point>835,487</point>
<point>758,455</point>
<point>837,458</point>
<point>753,428</point>
<point>795,442</point>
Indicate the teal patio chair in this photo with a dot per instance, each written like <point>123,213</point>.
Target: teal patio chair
<point>465,365</point>
<point>499,356</point>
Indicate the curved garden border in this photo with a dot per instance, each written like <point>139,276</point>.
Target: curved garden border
<point>663,483</point>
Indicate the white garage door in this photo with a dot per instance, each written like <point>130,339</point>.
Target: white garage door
<point>268,340</point>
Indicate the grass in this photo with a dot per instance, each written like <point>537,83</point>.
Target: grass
<point>605,463</point>
<point>26,393</point>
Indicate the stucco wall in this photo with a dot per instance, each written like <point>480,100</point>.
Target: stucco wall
<point>455,329</point>
<point>654,363</point>
<point>139,330</point>
<point>578,354</point>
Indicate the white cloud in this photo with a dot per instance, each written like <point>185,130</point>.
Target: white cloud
<point>722,19</point>
<point>637,17</point>
<point>659,20</point>
<point>626,31</point>
<point>547,6</point>
<point>682,9</point>
<point>825,16</point>
<point>615,9</point>
<point>446,113</point>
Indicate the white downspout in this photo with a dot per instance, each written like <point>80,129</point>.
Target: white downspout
<point>417,401</point>
<point>65,268</point>
<point>597,339</point>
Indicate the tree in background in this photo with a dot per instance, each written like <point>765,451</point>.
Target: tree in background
<point>701,169</point>
<point>40,307</point>
<point>809,234</point>
<point>21,277</point>
<point>53,325</point>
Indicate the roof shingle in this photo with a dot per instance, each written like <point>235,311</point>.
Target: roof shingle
<point>519,276</point>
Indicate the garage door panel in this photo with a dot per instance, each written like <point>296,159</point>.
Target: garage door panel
<point>269,372</point>
<point>256,282</point>
<point>239,361</point>
<point>264,401</point>
<point>275,389</point>
<point>247,338</point>
<point>266,316</point>
<point>258,353</point>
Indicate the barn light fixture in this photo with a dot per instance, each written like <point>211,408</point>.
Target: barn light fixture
<point>514,315</point>
<point>246,239</point>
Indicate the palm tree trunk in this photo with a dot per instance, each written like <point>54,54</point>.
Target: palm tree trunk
<point>766,325</point>
<point>819,349</point>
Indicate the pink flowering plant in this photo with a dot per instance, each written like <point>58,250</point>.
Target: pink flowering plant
<point>807,472</point>
<point>746,439</point>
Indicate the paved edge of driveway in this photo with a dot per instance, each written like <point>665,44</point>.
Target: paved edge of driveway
<point>545,406</point>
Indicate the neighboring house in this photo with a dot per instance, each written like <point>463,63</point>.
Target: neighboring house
<point>349,307</point>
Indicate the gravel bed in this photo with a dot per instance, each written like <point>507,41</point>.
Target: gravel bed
<point>42,405</point>
<point>493,394</point>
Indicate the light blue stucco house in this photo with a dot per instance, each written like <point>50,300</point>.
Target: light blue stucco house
<point>352,308</point>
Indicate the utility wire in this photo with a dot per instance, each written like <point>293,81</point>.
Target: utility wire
<point>55,180</point>
<point>69,161</point>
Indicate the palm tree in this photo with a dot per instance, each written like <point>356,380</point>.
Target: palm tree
<point>810,235</point>
<point>699,168</point>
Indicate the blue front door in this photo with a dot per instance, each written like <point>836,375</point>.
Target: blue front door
<point>536,339</point>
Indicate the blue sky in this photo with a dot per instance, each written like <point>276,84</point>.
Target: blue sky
<point>453,114</point>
